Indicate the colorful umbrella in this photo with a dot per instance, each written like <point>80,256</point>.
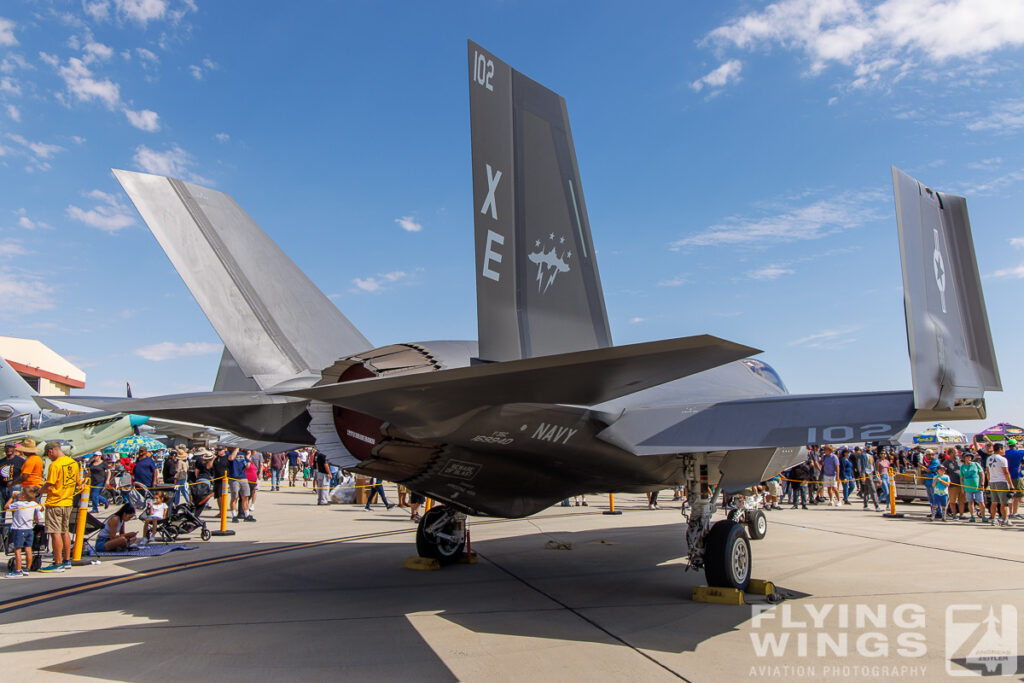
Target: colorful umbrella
<point>1000,432</point>
<point>131,444</point>
<point>939,434</point>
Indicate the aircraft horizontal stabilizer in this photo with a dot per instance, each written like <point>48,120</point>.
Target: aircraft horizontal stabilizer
<point>774,421</point>
<point>577,378</point>
<point>250,414</point>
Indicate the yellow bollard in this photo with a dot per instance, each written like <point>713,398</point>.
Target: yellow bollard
<point>83,512</point>
<point>611,506</point>
<point>892,496</point>
<point>223,511</point>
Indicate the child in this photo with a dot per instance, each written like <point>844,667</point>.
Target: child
<point>25,512</point>
<point>157,513</point>
<point>940,494</point>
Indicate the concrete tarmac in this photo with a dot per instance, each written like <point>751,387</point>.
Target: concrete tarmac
<point>320,593</point>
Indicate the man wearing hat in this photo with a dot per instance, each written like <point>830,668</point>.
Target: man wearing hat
<point>10,472</point>
<point>32,468</point>
<point>1014,456</point>
<point>180,466</point>
<point>61,484</point>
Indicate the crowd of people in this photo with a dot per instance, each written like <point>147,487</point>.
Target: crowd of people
<point>40,484</point>
<point>956,479</point>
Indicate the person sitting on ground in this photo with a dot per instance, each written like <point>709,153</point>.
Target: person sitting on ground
<point>157,513</point>
<point>112,537</point>
<point>25,514</point>
<point>940,494</point>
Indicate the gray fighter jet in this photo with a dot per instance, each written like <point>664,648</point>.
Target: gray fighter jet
<point>543,406</point>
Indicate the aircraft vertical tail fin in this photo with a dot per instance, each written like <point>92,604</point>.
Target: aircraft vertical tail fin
<point>951,353</point>
<point>273,320</point>
<point>538,287</point>
<point>13,385</point>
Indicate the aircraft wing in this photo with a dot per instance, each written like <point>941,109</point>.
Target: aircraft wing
<point>577,378</point>
<point>773,421</point>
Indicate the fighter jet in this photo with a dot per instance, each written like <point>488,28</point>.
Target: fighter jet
<point>24,413</point>
<point>543,406</point>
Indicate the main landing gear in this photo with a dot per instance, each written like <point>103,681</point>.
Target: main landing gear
<point>441,535</point>
<point>722,549</point>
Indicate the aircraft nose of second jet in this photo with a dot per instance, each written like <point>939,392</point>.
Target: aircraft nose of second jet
<point>138,420</point>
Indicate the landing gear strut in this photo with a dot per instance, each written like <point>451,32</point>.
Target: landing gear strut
<point>722,550</point>
<point>441,535</point>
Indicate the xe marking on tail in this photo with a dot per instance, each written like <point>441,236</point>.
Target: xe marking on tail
<point>492,184</point>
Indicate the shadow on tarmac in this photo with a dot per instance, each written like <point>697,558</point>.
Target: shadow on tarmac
<point>341,610</point>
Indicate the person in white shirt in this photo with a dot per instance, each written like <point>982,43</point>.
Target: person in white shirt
<point>25,514</point>
<point>999,484</point>
<point>157,513</point>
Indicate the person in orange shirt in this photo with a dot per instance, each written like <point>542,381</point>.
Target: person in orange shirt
<point>32,468</point>
<point>61,484</point>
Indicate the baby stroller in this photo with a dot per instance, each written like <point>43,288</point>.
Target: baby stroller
<point>38,545</point>
<point>184,518</point>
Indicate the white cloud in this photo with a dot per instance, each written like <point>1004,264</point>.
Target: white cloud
<point>24,292</point>
<point>1004,118</point>
<point>38,152</point>
<point>144,120</point>
<point>770,272</point>
<point>99,10</point>
<point>170,350</point>
<point>986,164</point>
<point>7,32</point>
<point>380,282</point>
<point>14,113</point>
<point>80,82</point>
<point>198,72</point>
<point>813,221</point>
<point>637,319</point>
<point>878,41</point>
<point>1016,273</point>
<point>222,138</point>
<point>141,11</point>
<point>110,214</point>
<point>1017,241</point>
<point>676,281</point>
<point>147,56</point>
<point>173,162</point>
<point>723,75</point>
<point>827,339</point>
<point>13,62</point>
<point>25,222</point>
<point>408,224</point>
<point>97,52</point>
<point>12,248</point>
<point>10,87</point>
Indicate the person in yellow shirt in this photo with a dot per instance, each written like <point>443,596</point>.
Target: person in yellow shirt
<point>61,484</point>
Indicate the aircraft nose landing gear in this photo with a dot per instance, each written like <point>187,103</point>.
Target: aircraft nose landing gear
<point>441,535</point>
<point>722,549</point>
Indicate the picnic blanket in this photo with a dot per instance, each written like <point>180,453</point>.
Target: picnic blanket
<point>146,551</point>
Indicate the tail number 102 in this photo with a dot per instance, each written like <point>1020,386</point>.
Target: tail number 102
<point>483,70</point>
<point>847,433</point>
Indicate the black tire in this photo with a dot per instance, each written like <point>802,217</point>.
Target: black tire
<point>757,524</point>
<point>428,545</point>
<point>906,499</point>
<point>727,556</point>
<point>205,534</point>
<point>37,562</point>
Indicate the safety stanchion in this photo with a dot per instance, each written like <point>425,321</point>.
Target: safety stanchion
<point>223,531</point>
<point>611,506</point>
<point>892,496</point>
<point>83,513</point>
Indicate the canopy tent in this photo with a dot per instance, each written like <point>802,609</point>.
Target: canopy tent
<point>131,444</point>
<point>1000,432</point>
<point>939,433</point>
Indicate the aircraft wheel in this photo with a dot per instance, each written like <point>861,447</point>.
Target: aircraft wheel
<point>440,536</point>
<point>757,524</point>
<point>727,556</point>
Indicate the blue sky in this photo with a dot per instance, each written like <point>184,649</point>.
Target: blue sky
<point>735,159</point>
